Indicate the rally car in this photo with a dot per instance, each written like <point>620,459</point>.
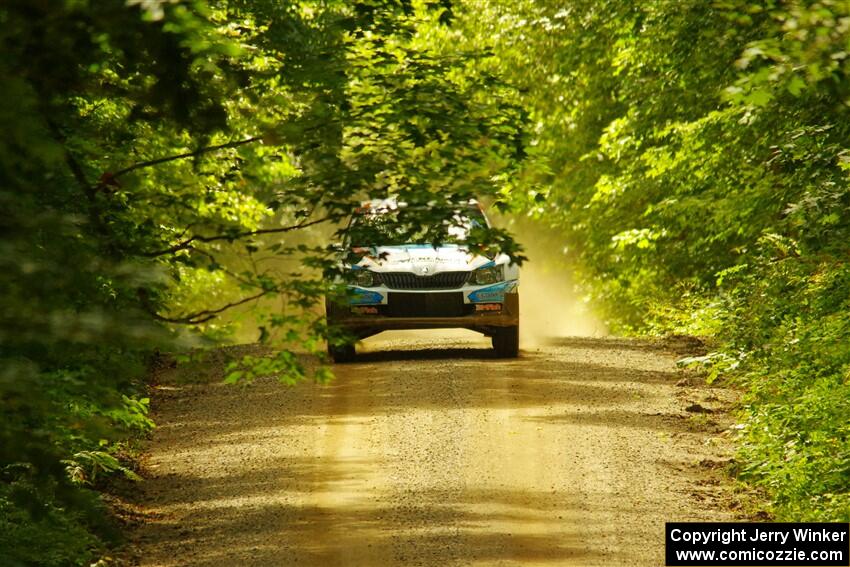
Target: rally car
<point>392,283</point>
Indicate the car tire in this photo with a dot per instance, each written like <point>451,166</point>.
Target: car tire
<point>341,354</point>
<point>506,342</point>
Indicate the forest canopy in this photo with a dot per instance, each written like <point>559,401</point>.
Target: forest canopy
<point>156,159</point>
<point>159,158</point>
<point>694,157</point>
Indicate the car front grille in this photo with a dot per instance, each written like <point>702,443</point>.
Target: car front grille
<point>406,280</point>
<point>445,304</point>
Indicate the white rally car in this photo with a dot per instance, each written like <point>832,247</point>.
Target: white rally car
<point>393,284</point>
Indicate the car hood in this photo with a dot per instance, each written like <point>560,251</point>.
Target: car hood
<point>420,259</point>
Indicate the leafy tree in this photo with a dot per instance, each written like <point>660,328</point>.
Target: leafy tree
<point>693,154</point>
<point>159,158</point>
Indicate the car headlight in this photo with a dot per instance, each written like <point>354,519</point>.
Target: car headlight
<point>365,278</point>
<point>484,276</point>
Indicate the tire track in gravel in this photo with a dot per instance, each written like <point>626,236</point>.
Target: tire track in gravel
<point>436,454</point>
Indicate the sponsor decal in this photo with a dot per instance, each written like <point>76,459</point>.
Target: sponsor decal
<point>363,297</point>
<point>492,293</point>
<point>488,306</point>
<point>368,310</point>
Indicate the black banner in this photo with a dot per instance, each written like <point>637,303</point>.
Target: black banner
<point>742,544</point>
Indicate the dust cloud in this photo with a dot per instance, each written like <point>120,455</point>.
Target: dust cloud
<point>550,306</point>
<point>549,303</point>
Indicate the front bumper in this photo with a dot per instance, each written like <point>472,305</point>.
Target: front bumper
<point>484,312</point>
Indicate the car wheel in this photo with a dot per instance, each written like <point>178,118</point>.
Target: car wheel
<point>506,342</point>
<point>340,354</point>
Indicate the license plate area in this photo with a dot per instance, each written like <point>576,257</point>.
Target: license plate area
<point>444,304</point>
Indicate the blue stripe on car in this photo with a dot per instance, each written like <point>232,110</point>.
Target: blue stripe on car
<point>492,293</point>
<point>364,297</point>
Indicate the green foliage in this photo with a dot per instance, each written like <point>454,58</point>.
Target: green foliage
<point>694,155</point>
<point>789,321</point>
<point>167,162</point>
<point>48,535</point>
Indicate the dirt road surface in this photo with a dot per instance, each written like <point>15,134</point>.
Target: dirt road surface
<point>425,453</point>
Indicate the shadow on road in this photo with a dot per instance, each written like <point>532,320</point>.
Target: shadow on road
<point>365,470</point>
<point>426,354</point>
<point>440,529</point>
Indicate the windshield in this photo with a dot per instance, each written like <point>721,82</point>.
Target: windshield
<point>395,227</point>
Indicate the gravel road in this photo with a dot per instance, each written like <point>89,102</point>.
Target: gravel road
<point>425,453</point>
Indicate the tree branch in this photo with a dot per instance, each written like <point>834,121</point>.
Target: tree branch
<point>95,212</point>
<point>200,316</point>
<point>236,277</point>
<point>109,177</point>
<point>198,238</point>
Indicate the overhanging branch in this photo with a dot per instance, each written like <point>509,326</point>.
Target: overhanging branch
<point>200,316</point>
<point>110,177</point>
<point>235,236</point>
